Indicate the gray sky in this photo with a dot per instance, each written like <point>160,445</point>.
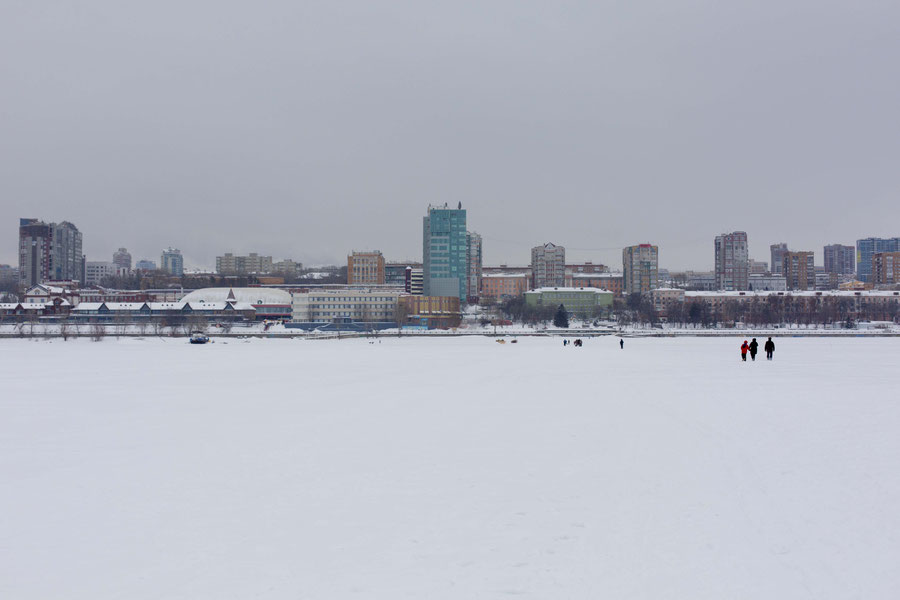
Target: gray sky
<point>307,129</point>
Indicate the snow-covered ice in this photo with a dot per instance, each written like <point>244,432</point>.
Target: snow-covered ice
<point>449,468</point>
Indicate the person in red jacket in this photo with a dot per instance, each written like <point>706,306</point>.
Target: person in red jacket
<point>744,348</point>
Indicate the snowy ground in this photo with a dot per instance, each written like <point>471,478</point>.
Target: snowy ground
<point>448,468</point>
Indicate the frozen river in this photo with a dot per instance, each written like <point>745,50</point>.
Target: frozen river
<point>449,469</point>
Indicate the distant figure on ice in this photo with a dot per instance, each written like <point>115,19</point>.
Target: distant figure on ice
<point>770,348</point>
<point>622,344</point>
<point>754,347</point>
<point>565,343</point>
<point>744,348</point>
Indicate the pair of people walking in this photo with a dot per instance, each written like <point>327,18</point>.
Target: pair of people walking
<point>753,347</point>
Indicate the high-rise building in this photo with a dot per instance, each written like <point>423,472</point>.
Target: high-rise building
<point>145,265</point>
<point>640,268</point>
<point>777,263</point>
<point>122,259</point>
<point>365,268</point>
<point>886,268</point>
<point>444,252</point>
<point>172,262</point>
<point>473,269</point>
<point>732,261</point>
<point>865,248</point>
<point>49,252</point>
<point>799,270</point>
<point>840,260</point>
<point>548,266</point>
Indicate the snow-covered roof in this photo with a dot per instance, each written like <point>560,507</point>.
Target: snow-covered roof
<point>489,275</point>
<point>249,295</point>
<point>797,293</point>
<point>8,305</point>
<point>163,306</point>
<point>595,275</point>
<point>568,289</point>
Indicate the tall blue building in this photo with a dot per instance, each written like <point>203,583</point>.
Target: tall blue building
<point>866,248</point>
<point>445,252</point>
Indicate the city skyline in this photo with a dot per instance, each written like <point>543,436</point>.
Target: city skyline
<point>607,255</point>
<point>299,132</point>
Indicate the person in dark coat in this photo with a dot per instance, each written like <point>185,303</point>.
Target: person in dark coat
<point>744,348</point>
<point>769,348</point>
<point>754,348</point>
<point>622,344</point>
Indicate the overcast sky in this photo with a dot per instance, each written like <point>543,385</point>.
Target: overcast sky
<point>308,129</point>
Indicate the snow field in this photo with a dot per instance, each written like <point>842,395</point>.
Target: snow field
<point>449,468</point>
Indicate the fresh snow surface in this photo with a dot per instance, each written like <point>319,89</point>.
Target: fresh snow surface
<point>452,468</point>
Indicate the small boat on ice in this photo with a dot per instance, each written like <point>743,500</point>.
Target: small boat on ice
<point>199,338</point>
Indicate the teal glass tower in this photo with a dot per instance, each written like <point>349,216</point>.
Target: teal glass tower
<point>445,252</point>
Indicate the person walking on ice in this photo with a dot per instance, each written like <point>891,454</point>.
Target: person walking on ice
<point>754,347</point>
<point>769,348</point>
<point>622,344</point>
<point>744,348</point>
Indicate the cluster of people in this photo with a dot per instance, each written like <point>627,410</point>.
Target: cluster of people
<point>753,347</point>
<point>577,343</point>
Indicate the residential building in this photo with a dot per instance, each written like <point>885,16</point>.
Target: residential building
<point>9,275</point>
<point>444,252</point>
<point>777,251</point>
<point>122,259</point>
<point>759,267</point>
<point>474,267</point>
<point>799,270</point>
<point>840,260</point>
<point>548,266</point>
<point>611,282</point>
<point>886,268</point>
<point>287,268</point>
<point>252,264</point>
<point>701,280</point>
<point>583,302</point>
<point>346,305</point>
<point>95,272</point>
<point>49,251</point>
<point>504,286</point>
<point>172,262</point>
<point>365,268</point>
<point>416,282</point>
<point>145,265</point>
<point>640,268</point>
<point>664,299</point>
<point>759,283</point>
<point>586,267</point>
<point>865,248</point>
<point>732,261</point>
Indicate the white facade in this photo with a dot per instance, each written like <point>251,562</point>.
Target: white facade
<point>355,305</point>
<point>762,283</point>
<point>95,272</point>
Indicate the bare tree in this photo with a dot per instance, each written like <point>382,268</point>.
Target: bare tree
<point>98,332</point>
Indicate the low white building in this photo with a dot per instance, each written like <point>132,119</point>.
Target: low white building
<point>345,304</point>
<point>767,283</point>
